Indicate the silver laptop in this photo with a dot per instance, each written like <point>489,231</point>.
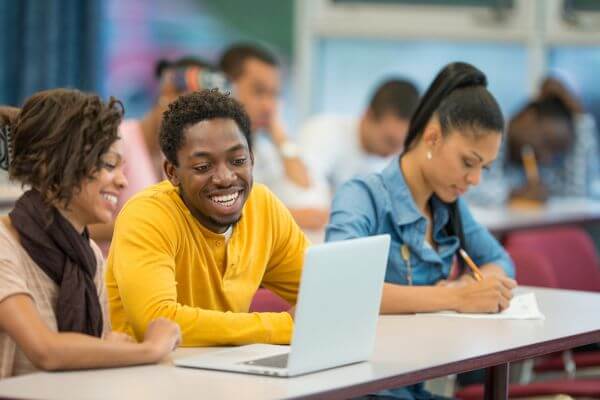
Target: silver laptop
<point>336,314</point>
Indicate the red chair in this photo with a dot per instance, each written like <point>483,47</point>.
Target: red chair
<point>575,265</point>
<point>583,359</point>
<point>575,388</point>
<point>532,268</point>
<point>266,301</point>
<point>570,250</point>
<point>535,269</point>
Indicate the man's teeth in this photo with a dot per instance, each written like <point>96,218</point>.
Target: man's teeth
<point>110,197</point>
<point>226,200</point>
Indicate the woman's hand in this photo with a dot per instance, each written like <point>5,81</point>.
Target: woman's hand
<point>163,336</point>
<point>491,295</point>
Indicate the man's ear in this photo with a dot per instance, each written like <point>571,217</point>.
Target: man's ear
<point>171,172</point>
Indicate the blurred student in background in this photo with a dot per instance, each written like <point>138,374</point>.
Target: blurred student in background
<point>255,77</point>
<point>140,137</point>
<point>66,149</point>
<point>337,148</point>
<point>555,131</point>
<point>563,139</point>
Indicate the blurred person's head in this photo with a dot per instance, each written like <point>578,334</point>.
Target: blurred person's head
<point>205,137</point>
<point>64,144</point>
<point>455,132</point>
<point>561,79</point>
<point>385,123</point>
<point>181,76</point>
<point>254,73</point>
<point>177,77</point>
<point>546,126</point>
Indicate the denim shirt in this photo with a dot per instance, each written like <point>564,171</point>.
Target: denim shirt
<point>382,203</point>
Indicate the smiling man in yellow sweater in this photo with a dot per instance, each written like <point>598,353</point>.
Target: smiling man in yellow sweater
<point>195,248</point>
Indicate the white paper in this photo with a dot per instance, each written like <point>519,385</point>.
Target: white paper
<point>523,306</point>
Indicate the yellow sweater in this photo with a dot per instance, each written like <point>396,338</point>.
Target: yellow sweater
<point>164,263</point>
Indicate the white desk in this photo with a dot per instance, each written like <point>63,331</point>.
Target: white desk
<point>409,349</point>
<point>558,211</point>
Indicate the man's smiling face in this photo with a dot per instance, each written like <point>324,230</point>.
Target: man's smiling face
<point>214,172</point>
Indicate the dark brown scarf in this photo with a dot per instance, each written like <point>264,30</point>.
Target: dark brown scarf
<point>66,257</point>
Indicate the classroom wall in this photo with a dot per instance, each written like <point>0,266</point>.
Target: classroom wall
<point>138,32</point>
<point>357,65</point>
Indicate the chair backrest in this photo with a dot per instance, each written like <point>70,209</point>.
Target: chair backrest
<point>532,268</point>
<point>570,251</point>
<point>266,301</point>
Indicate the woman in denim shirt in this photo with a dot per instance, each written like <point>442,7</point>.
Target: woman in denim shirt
<point>455,132</point>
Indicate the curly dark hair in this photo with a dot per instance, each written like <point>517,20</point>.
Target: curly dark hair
<point>59,138</point>
<point>195,107</point>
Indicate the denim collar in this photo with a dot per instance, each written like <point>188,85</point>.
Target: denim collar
<point>404,208</point>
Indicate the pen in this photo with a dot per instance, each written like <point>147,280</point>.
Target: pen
<point>476,272</point>
<point>530,164</point>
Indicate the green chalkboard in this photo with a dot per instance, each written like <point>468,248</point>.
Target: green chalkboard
<point>268,21</point>
<point>453,3</point>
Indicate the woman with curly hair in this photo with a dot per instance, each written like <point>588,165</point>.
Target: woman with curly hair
<point>63,146</point>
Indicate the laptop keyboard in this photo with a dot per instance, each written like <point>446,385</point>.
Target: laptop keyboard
<point>278,361</point>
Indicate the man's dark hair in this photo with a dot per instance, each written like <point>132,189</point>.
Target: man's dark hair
<point>59,138</point>
<point>163,65</point>
<point>196,107</point>
<point>397,96</point>
<point>234,58</point>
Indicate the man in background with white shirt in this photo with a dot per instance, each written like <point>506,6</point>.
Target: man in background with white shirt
<point>255,75</point>
<point>337,148</point>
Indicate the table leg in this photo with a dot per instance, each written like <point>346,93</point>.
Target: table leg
<point>496,382</point>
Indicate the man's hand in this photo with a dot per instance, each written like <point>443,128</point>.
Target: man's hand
<point>294,167</point>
